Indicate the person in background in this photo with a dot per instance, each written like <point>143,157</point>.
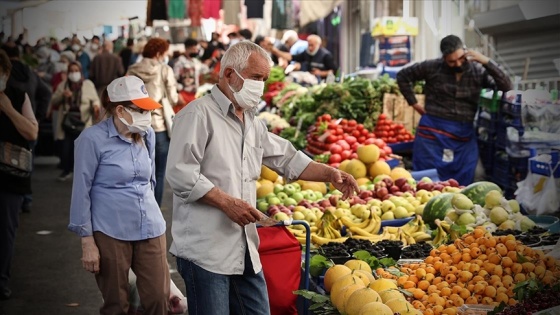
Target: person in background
<point>18,126</point>
<point>22,77</point>
<point>246,34</point>
<point>267,43</point>
<point>92,47</point>
<point>222,269</point>
<point>445,137</point>
<point>105,67</point>
<point>45,68</point>
<point>113,208</point>
<point>75,94</point>
<point>81,56</point>
<point>126,54</point>
<point>28,56</point>
<point>234,38</point>
<point>161,86</point>
<point>316,59</point>
<point>66,57</point>
<point>189,71</point>
<point>291,40</point>
<point>216,41</point>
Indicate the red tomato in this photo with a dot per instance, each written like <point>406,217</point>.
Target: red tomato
<point>400,138</point>
<point>354,155</point>
<point>355,146</point>
<point>331,138</point>
<point>335,148</point>
<point>361,139</point>
<point>356,133</point>
<point>370,135</point>
<point>326,117</point>
<point>345,155</point>
<point>391,133</point>
<point>343,144</point>
<point>344,122</point>
<point>339,137</point>
<point>382,153</point>
<point>382,116</point>
<point>350,140</point>
<point>352,123</point>
<point>388,121</point>
<point>379,143</point>
<point>384,134</point>
<point>388,150</point>
<point>335,165</point>
<point>370,141</point>
<point>364,132</point>
<point>333,125</point>
<point>340,131</point>
<point>360,126</point>
<point>334,158</point>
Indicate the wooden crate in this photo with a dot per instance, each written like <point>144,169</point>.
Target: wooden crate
<point>397,109</point>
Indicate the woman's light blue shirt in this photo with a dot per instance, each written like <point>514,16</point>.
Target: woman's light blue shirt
<point>113,185</point>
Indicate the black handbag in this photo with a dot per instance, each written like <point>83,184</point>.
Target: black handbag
<point>72,123</point>
<point>15,160</point>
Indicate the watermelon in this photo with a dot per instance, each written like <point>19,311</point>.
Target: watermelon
<point>437,208</point>
<point>477,191</point>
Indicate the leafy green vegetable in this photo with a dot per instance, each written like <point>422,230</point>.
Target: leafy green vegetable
<point>322,158</point>
<point>317,264</point>
<point>372,261</point>
<point>321,303</point>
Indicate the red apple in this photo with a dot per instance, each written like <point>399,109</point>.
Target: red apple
<point>398,193</point>
<point>334,199</point>
<point>401,181</point>
<point>381,192</point>
<point>406,187</point>
<point>438,187</point>
<point>387,196</point>
<point>453,182</point>
<point>394,189</point>
<point>365,194</point>
<point>388,181</point>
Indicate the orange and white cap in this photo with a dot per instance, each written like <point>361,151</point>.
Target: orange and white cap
<point>131,88</point>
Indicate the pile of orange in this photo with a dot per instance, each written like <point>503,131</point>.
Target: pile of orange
<point>476,269</point>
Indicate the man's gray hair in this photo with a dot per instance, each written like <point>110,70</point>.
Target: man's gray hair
<point>237,56</point>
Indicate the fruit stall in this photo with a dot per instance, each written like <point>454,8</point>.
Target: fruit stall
<point>408,242</point>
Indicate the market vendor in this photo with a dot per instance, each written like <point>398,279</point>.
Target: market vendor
<point>445,137</point>
<point>315,59</point>
<point>212,168</point>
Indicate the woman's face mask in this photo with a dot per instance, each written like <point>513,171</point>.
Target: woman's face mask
<point>140,121</point>
<point>250,94</point>
<point>74,76</point>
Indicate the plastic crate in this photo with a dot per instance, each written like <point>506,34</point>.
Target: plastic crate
<point>546,169</point>
<point>489,125</point>
<point>511,108</point>
<point>518,167</point>
<point>490,104</point>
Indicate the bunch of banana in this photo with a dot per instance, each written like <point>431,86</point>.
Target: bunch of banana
<point>349,223</point>
<point>318,240</point>
<point>405,237</point>
<point>453,234</point>
<point>326,227</point>
<point>441,234</point>
<point>417,229</point>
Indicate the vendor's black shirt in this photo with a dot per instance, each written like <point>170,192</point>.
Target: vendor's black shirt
<point>323,60</point>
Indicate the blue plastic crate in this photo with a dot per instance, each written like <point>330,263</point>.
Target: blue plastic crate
<point>518,167</point>
<point>511,108</point>
<point>546,169</point>
<point>486,151</point>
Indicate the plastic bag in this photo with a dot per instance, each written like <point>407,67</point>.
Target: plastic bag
<point>539,194</point>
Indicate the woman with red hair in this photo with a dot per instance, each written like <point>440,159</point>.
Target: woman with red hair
<point>162,87</point>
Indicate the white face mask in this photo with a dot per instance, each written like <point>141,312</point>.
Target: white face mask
<point>74,76</point>
<point>140,122</point>
<point>94,47</point>
<point>250,94</point>
<point>165,60</point>
<point>3,82</point>
<point>233,41</point>
<point>76,47</point>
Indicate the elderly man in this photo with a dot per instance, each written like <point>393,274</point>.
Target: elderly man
<point>105,67</point>
<point>212,168</point>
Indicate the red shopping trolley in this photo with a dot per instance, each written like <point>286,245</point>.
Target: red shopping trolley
<point>280,254</point>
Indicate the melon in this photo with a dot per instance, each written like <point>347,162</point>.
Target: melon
<point>399,172</point>
<point>359,298</point>
<point>368,153</point>
<point>381,284</point>
<point>333,273</point>
<point>476,192</point>
<point>356,264</point>
<point>390,294</point>
<point>343,165</point>
<point>339,299</point>
<point>379,168</point>
<point>356,168</point>
<point>269,174</point>
<point>375,308</point>
<point>437,208</point>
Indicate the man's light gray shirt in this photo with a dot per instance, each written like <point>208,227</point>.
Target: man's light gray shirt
<point>212,147</point>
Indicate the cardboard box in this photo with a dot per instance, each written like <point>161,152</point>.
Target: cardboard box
<point>397,109</point>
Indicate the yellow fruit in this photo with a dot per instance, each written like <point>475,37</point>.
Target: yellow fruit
<point>368,153</point>
<point>375,308</point>
<point>362,181</point>
<point>379,168</point>
<point>315,186</point>
<point>269,174</point>
<point>343,165</point>
<point>333,273</point>
<point>380,285</point>
<point>343,281</point>
<point>359,298</point>
<point>367,277</point>
<point>356,168</point>
<point>399,172</point>
<point>356,264</point>
<point>390,294</point>
<point>343,294</point>
<point>399,305</point>
<point>265,189</point>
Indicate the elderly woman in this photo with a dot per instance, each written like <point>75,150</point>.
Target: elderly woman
<point>77,97</point>
<point>162,86</point>
<point>18,126</point>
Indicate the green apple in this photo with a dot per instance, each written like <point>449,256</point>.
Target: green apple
<point>426,180</point>
<point>343,204</point>
<point>355,209</point>
<point>419,209</point>
<point>336,192</point>
<point>365,213</point>
<point>290,202</point>
<point>411,182</point>
<point>363,187</point>
<point>309,195</point>
<point>267,197</point>
<point>274,201</point>
<point>278,188</point>
<point>298,216</point>
<point>407,194</point>
<point>415,203</point>
<point>282,196</point>
<point>339,212</point>
<point>318,195</point>
<point>426,197</point>
<point>280,216</point>
<point>289,189</point>
<point>299,209</point>
<point>370,186</point>
<point>311,217</point>
<point>297,186</point>
<point>374,202</point>
<point>388,216</point>
<point>262,206</point>
<point>297,196</point>
<point>376,210</point>
<point>397,201</point>
<point>400,212</point>
<point>386,206</point>
<point>409,207</point>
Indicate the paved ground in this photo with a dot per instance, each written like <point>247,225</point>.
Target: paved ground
<point>47,277</point>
